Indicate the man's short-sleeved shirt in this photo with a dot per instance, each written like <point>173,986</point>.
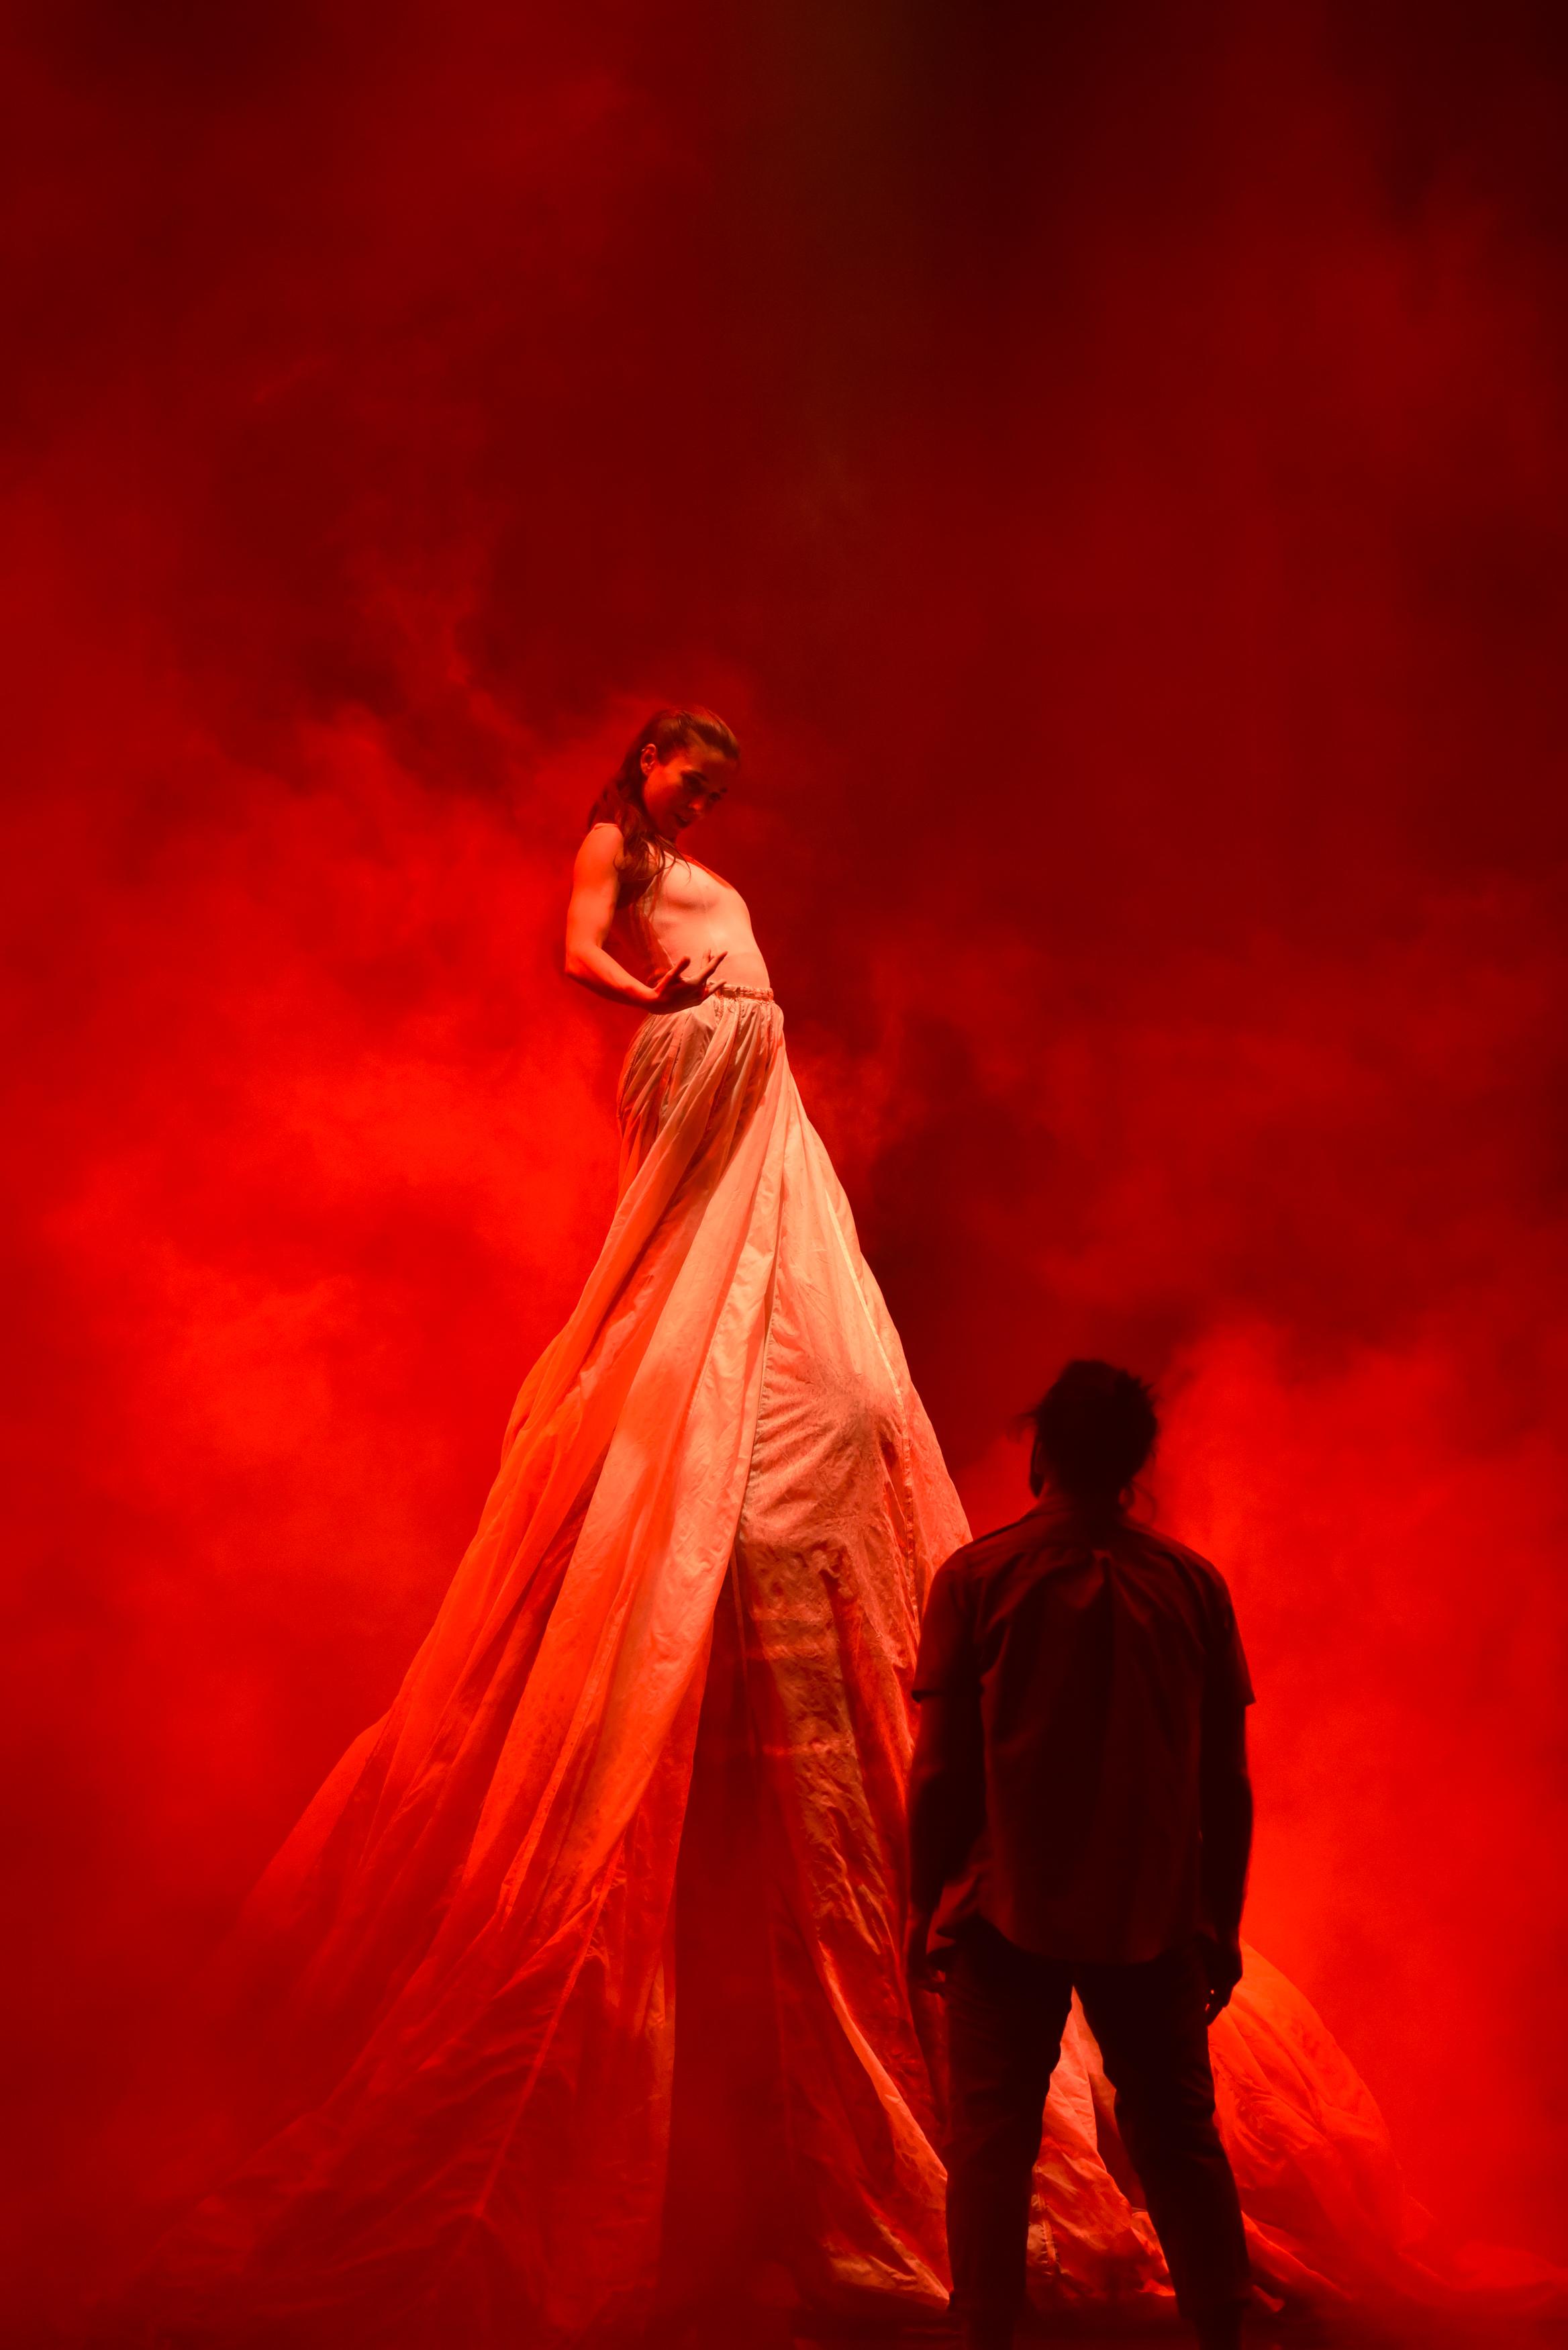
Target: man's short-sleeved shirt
<point>1094,1651</point>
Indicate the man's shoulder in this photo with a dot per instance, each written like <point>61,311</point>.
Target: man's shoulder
<point>991,1553</point>
<point>1155,1539</point>
<point>1039,1534</point>
<point>1156,1545</point>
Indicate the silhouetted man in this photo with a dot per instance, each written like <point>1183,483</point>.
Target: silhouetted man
<point>1080,1816</point>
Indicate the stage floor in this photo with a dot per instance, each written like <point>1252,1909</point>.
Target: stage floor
<point>764,2330</point>
<point>751,2329</point>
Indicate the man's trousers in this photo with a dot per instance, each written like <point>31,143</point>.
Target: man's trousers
<point>1006,2013</point>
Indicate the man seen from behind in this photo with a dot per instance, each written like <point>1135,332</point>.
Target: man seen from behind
<point>1080,1817</point>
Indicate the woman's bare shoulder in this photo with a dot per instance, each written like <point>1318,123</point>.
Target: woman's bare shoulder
<point>600,854</point>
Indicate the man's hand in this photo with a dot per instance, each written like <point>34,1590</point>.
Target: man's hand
<point>674,991</point>
<point>1222,1965</point>
<point>923,1971</point>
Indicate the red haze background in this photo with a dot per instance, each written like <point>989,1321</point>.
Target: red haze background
<point>1110,465</point>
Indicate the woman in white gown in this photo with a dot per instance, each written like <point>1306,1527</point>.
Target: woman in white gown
<point>641,1792</point>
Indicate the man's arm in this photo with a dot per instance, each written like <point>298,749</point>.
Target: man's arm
<point>947,1803</point>
<point>1227,1806</point>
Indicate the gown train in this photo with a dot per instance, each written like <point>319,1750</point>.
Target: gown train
<point>461,1977</point>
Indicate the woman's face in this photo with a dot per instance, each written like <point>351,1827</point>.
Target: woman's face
<point>676,791</point>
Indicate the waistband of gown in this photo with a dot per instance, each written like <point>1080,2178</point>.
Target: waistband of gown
<point>753,994</point>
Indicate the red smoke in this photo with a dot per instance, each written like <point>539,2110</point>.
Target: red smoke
<point>1113,478</point>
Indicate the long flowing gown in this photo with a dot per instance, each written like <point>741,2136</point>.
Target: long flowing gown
<point>660,1731</point>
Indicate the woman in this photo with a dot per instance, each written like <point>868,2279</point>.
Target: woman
<point>462,1963</point>
<point>578,1984</point>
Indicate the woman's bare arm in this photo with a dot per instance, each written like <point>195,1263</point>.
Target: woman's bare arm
<point>595,878</point>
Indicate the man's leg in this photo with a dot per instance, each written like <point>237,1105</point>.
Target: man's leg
<point>1150,2022</point>
<point>1006,2009</point>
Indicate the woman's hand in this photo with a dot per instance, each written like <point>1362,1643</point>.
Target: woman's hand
<point>672,991</point>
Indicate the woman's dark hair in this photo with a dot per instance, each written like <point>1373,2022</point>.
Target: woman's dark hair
<point>1095,1427</point>
<point>644,852</point>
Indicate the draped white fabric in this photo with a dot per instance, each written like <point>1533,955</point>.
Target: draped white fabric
<point>459,1971</point>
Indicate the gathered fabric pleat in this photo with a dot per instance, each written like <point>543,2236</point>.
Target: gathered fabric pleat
<point>456,1985</point>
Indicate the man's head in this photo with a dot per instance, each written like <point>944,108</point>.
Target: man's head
<point>1095,1427</point>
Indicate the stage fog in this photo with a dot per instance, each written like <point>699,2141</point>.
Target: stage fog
<point>1117,493</point>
